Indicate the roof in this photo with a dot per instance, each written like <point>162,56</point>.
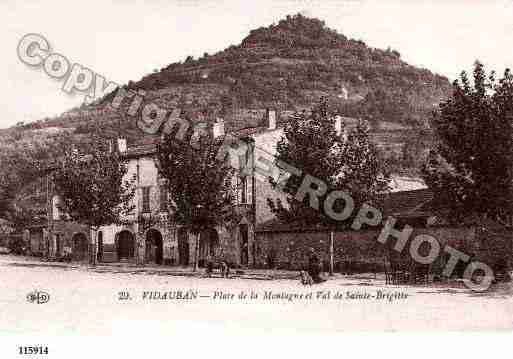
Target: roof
<point>4,222</point>
<point>150,148</point>
<point>275,225</point>
<point>405,204</point>
<point>141,151</point>
<point>244,132</point>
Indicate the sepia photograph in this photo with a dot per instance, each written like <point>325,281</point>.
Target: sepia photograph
<point>213,167</point>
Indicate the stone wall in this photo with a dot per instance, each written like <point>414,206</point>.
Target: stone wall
<point>353,250</point>
<point>36,242</point>
<point>291,250</point>
<point>61,236</point>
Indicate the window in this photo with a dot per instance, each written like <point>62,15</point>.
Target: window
<point>163,199</point>
<point>146,199</point>
<point>243,190</point>
<point>56,202</point>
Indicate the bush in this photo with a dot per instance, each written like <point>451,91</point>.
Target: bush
<point>17,245</point>
<point>356,267</point>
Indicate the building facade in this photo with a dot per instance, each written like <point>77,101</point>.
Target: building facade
<point>149,235</point>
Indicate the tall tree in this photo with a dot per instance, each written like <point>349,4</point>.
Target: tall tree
<point>199,183</point>
<point>22,162</point>
<point>351,164</point>
<point>93,187</point>
<point>470,170</point>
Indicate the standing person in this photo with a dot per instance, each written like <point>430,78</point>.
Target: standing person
<point>209,266</point>
<point>225,269</point>
<point>314,268</point>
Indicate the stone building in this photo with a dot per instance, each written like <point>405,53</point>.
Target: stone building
<point>288,246</point>
<point>49,234</point>
<point>149,235</point>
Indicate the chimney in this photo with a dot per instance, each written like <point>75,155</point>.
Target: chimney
<point>338,125</point>
<point>218,128</point>
<point>344,94</point>
<point>271,119</point>
<point>121,145</point>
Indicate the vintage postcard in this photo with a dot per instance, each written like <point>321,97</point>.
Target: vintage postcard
<point>307,166</point>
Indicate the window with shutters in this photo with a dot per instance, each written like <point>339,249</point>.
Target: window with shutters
<point>163,199</point>
<point>146,199</point>
<point>242,190</point>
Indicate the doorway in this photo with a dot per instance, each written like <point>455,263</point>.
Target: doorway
<point>79,247</point>
<point>183,247</point>
<point>154,247</point>
<point>99,256</point>
<point>209,242</point>
<point>244,248</point>
<point>125,245</point>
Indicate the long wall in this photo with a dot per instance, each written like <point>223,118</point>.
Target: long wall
<point>353,250</point>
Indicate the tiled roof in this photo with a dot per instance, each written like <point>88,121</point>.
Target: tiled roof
<point>4,222</point>
<point>141,151</point>
<point>274,225</point>
<point>406,204</point>
<point>150,147</point>
<point>248,131</point>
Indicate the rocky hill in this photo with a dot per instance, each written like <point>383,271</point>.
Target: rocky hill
<point>288,66</point>
<point>291,64</point>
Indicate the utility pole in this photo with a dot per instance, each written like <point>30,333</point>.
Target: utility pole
<point>332,250</point>
<point>197,212</point>
<point>95,246</point>
<point>196,252</point>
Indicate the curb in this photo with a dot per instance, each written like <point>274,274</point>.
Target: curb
<point>148,271</point>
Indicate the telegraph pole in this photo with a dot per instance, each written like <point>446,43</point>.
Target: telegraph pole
<point>332,250</point>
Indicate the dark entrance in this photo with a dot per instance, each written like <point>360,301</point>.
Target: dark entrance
<point>209,242</point>
<point>154,247</point>
<point>79,247</point>
<point>125,245</point>
<point>58,245</point>
<point>244,254</point>
<point>100,247</point>
<point>183,247</point>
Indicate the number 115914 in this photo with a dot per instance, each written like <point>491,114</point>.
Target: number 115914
<point>32,350</point>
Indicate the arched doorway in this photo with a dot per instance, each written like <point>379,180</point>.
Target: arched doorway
<point>244,244</point>
<point>209,242</point>
<point>154,247</point>
<point>100,246</point>
<point>125,245</point>
<point>79,247</point>
<point>183,247</point>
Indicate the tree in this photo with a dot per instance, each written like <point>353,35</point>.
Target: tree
<point>199,183</point>
<point>470,170</point>
<point>22,163</point>
<point>6,228</point>
<point>93,188</point>
<point>352,165</point>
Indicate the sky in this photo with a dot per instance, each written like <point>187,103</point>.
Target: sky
<point>126,39</point>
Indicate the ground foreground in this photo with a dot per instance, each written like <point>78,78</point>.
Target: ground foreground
<point>85,301</point>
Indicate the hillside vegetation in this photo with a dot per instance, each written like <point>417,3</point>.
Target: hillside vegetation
<point>291,64</point>
<point>288,66</point>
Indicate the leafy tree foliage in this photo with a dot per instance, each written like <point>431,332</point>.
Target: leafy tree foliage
<point>199,183</point>
<point>294,61</point>
<point>380,104</point>
<point>352,165</point>
<point>470,170</point>
<point>93,186</point>
<point>22,162</point>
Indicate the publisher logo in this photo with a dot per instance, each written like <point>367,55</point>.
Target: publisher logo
<point>38,297</point>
